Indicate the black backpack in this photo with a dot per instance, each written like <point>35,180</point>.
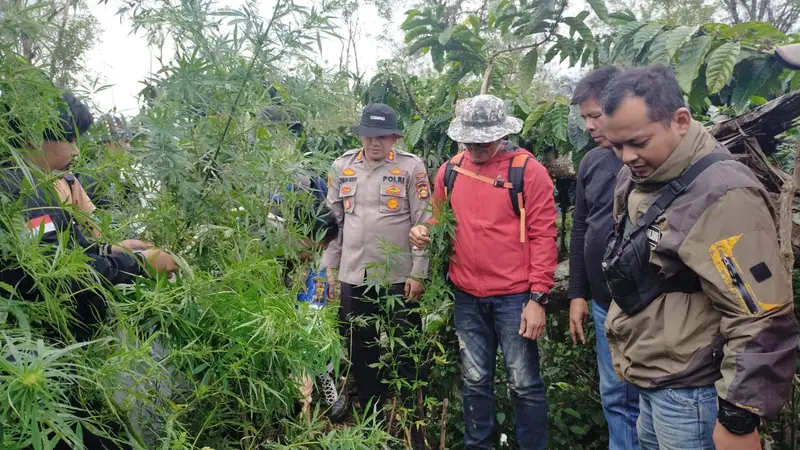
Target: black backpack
<point>515,183</point>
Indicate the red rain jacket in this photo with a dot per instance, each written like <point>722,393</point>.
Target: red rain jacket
<point>488,258</point>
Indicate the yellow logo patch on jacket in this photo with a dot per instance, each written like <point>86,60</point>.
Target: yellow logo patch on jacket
<point>392,204</point>
<point>348,172</point>
<point>721,253</point>
<point>396,171</point>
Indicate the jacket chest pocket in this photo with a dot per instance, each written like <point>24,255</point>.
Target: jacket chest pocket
<point>347,192</point>
<point>393,198</point>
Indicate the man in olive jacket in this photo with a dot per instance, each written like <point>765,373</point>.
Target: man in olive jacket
<point>707,329</point>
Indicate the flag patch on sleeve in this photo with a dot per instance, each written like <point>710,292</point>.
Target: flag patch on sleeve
<point>44,223</point>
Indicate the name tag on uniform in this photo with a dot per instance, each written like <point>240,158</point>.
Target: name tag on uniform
<point>394,179</point>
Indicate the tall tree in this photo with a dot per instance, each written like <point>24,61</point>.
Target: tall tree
<point>783,14</point>
<point>670,12</point>
<point>55,35</point>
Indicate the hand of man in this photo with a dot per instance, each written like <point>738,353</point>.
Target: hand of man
<point>333,284</point>
<point>414,289</point>
<point>531,324</point>
<point>136,244</point>
<point>161,261</point>
<point>725,440</point>
<point>418,236</point>
<point>578,310</point>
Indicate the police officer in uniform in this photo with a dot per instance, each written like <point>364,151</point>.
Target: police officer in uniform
<point>701,318</point>
<point>377,193</point>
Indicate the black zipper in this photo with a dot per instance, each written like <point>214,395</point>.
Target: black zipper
<point>739,283</point>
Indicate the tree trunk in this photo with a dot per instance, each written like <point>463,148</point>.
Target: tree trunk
<point>57,49</point>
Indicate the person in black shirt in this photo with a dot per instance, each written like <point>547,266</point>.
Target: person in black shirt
<point>591,225</point>
<point>49,219</point>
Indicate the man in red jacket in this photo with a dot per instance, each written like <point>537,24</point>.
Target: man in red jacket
<point>502,266</point>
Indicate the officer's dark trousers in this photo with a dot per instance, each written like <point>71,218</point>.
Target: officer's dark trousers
<point>363,340</point>
<point>92,442</point>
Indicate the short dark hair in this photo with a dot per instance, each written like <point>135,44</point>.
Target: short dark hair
<point>74,118</point>
<point>592,86</point>
<point>655,84</point>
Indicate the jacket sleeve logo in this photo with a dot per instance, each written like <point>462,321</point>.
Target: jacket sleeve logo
<point>721,253</point>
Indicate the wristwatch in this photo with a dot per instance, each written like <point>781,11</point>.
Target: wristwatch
<point>735,419</point>
<point>540,298</point>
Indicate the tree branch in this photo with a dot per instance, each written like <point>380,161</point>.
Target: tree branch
<point>251,65</point>
<point>490,62</point>
<point>490,65</point>
<point>733,10</point>
<point>785,225</point>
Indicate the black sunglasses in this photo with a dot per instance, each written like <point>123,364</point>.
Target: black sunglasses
<point>480,145</point>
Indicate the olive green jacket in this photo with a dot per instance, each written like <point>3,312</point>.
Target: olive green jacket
<point>739,332</point>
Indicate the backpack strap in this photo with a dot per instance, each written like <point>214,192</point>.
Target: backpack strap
<point>516,176</point>
<point>515,183</point>
<point>450,173</point>
<point>675,189</point>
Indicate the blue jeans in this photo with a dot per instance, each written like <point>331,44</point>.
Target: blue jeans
<point>482,323</point>
<point>620,399</point>
<point>677,419</point>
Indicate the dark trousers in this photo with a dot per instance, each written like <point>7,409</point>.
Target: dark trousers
<point>481,325</point>
<point>363,340</point>
<point>92,442</point>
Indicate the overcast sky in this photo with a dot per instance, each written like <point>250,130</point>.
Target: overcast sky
<point>124,60</point>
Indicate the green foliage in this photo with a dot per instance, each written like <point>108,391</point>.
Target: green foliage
<point>691,57</point>
<point>720,66</point>
<point>733,63</point>
<point>212,358</point>
<point>226,339</point>
<point>55,35</point>
<point>527,67</point>
<point>570,373</point>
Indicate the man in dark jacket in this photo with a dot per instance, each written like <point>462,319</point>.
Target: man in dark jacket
<point>702,319</point>
<point>47,219</point>
<point>591,224</point>
<point>50,219</point>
